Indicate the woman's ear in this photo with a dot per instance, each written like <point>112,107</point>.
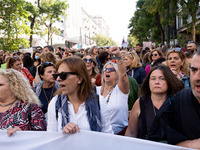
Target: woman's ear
<point>80,79</point>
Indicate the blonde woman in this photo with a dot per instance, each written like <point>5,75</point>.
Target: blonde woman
<point>19,106</point>
<point>134,67</point>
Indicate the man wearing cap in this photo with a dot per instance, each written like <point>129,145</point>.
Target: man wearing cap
<point>191,47</point>
<point>178,120</point>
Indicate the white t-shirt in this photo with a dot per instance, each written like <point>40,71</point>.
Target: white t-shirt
<point>114,114</point>
<point>80,118</point>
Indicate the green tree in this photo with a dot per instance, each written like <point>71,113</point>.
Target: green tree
<point>141,23</point>
<point>103,40</point>
<point>34,11</point>
<point>190,7</point>
<point>132,41</point>
<point>151,19</point>
<point>52,11</point>
<point>13,24</point>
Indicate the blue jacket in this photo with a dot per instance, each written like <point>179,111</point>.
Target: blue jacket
<point>138,74</point>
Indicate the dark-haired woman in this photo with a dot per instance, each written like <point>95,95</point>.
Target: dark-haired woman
<point>75,106</point>
<point>157,86</point>
<point>36,62</point>
<point>47,85</point>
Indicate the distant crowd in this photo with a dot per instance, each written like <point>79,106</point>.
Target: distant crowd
<point>147,93</point>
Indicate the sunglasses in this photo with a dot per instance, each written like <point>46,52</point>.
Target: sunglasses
<point>154,54</point>
<point>130,54</point>
<point>108,69</point>
<point>189,42</point>
<point>86,60</point>
<point>174,49</point>
<point>63,75</point>
<point>47,63</point>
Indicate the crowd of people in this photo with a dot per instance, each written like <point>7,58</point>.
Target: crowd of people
<point>147,93</point>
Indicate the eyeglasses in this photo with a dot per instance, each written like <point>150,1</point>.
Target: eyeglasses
<point>154,55</point>
<point>130,54</point>
<point>174,49</point>
<point>63,75</point>
<point>108,69</point>
<point>189,42</point>
<point>85,60</point>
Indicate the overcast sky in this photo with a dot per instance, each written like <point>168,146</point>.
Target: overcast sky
<point>116,13</point>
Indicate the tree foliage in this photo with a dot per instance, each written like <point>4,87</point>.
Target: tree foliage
<point>103,40</point>
<point>154,18</point>
<point>13,24</point>
<point>132,41</point>
<point>52,11</point>
<point>45,12</point>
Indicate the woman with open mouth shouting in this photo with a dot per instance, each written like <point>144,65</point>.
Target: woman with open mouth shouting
<point>75,106</point>
<point>177,63</point>
<point>113,94</point>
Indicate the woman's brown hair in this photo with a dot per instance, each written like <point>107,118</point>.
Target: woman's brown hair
<point>11,61</point>
<point>159,53</point>
<point>185,67</point>
<point>77,65</point>
<point>173,83</point>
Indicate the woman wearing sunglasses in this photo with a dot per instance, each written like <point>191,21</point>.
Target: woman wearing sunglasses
<point>113,94</point>
<point>154,55</point>
<point>75,106</point>
<point>93,70</point>
<point>134,67</point>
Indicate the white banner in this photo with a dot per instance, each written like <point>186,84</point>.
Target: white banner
<point>84,140</point>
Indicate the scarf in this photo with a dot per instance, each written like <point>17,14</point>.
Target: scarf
<point>91,106</point>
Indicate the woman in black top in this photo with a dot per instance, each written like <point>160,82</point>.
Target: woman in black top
<point>157,86</point>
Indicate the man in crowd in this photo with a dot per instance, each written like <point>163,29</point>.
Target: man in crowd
<point>191,47</point>
<point>138,49</point>
<point>179,117</point>
<point>47,49</point>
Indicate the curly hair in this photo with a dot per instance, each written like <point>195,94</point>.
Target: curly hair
<point>20,86</point>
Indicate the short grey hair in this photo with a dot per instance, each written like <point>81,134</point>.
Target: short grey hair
<point>116,69</point>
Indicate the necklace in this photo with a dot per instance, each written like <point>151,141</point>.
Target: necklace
<point>110,92</point>
<point>48,100</point>
<point>8,104</point>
